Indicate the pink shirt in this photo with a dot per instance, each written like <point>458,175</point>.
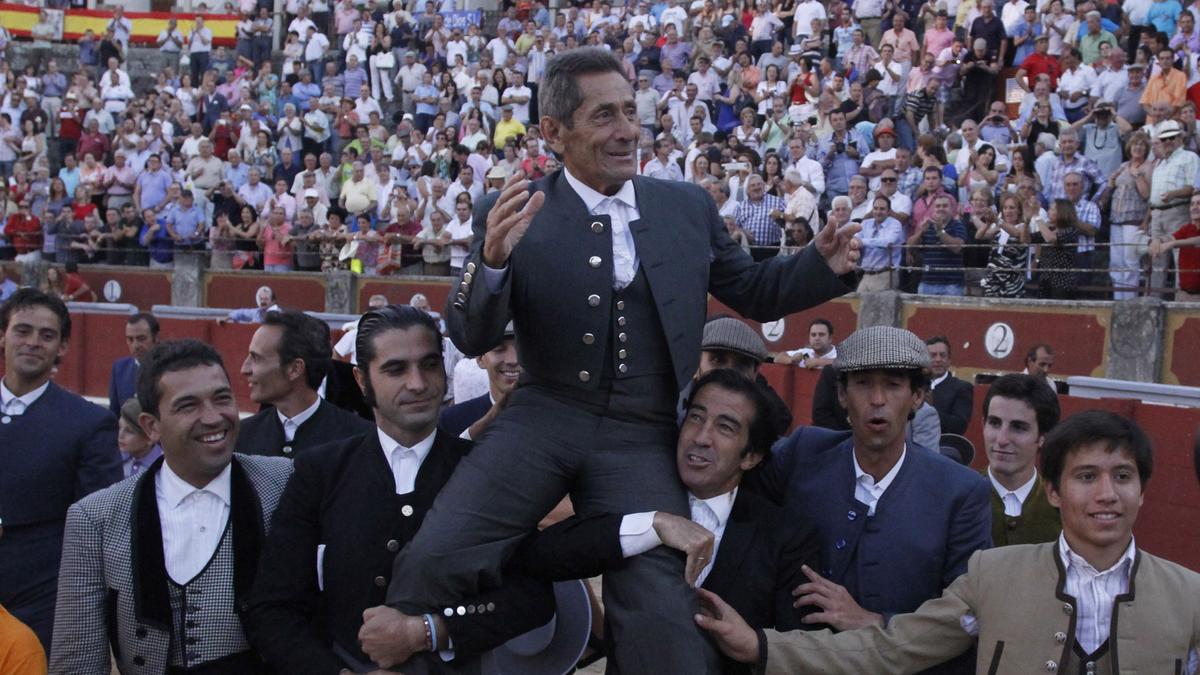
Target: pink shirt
<point>937,40</point>
<point>905,44</point>
<point>275,253</point>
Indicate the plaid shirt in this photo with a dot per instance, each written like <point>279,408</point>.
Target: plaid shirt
<point>756,219</point>
<point>909,182</point>
<point>1054,183</point>
<point>1089,213</point>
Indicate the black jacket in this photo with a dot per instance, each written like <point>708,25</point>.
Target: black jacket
<point>262,433</point>
<point>342,497</point>
<point>954,399</point>
<point>756,568</point>
<point>458,418</point>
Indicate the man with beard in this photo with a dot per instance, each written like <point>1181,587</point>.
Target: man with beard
<point>155,569</point>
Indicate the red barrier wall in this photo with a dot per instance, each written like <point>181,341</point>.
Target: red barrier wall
<point>791,332</point>
<point>294,290</point>
<point>1180,365</point>
<point>400,290</point>
<point>143,288</point>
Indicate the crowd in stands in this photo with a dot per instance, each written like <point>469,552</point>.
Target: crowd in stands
<point>1003,149</point>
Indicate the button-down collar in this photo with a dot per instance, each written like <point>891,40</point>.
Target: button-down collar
<point>11,404</point>
<point>409,459</point>
<point>176,490</point>
<point>721,505</point>
<point>937,381</point>
<point>1075,562</point>
<point>869,491</point>
<point>292,424</point>
<point>1021,493</point>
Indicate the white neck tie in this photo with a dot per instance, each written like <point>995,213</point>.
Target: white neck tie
<point>704,516</point>
<point>15,407</point>
<point>289,430</point>
<point>1012,505</point>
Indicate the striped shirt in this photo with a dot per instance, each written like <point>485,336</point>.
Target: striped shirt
<point>756,219</point>
<point>941,265</point>
<point>1095,593</point>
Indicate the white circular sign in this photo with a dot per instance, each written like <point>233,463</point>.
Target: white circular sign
<point>999,340</point>
<point>773,330</point>
<point>112,290</point>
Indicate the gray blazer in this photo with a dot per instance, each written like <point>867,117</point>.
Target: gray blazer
<point>566,256</point>
<point>113,584</point>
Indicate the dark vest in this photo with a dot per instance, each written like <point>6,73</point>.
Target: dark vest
<point>1038,523</point>
<point>637,382</point>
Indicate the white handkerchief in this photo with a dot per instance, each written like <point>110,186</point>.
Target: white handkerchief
<point>320,567</point>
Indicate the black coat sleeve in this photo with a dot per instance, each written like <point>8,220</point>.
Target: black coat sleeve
<point>576,548</point>
<point>285,597</point>
<point>797,544</point>
<point>956,413</point>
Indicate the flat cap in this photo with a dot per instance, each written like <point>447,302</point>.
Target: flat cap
<point>732,335</point>
<point>881,348</point>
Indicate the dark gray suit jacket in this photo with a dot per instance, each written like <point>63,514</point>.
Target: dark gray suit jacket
<point>683,248</point>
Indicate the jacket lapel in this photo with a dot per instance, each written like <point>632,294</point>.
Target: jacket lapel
<point>246,522</point>
<point>740,532</point>
<point>152,601</point>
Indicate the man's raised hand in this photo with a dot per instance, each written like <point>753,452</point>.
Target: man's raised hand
<point>509,218</point>
<point>840,248</point>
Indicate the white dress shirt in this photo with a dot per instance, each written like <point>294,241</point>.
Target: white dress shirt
<point>1014,500</point>
<point>11,404</point>
<point>405,462</point>
<point>292,424</point>
<point>867,490</point>
<point>637,532</point>
<point>621,209</point>
<point>193,521</point>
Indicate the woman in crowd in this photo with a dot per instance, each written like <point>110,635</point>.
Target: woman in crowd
<point>1020,162</point>
<point>770,87</point>
<point>1040,122</point>
<point>981,172</point>
<point>772,174</point>
<point>978,212</point>
<point>748,133</point>
<point>700,169</point>
<point>1008,259</point>
<point>1130,190</point>
<point>33,144</point>
<point>1056,252</point>
<point>734,99</point>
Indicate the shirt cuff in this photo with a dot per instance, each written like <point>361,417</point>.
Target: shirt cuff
<point>447,654</point>
<point>466,434</point>
<point>637,534</point>
<point>495,278</point>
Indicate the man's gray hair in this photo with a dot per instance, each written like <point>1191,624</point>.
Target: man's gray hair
<point>793,176</point>
<point>842,199</point>
<point>560,96</point>
<point>1068,132</point>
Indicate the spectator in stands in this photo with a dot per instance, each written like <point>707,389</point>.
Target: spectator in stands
<point>264,297</point>
<point>1171,188</point>
<point>141,334</point>
<point>120,545</point>
<point>1187,240</point>
<point>758,217</point>
<point>883,245</point>
<point>953,398</point>
<point>940,240</point>
<point>49,464</point>
<point>287,363</point>
<point>1018,412</point>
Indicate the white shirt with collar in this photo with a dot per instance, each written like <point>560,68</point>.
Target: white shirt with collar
<point>192,519</point>
<point>405,462</point>
<point>621,209</point>
<point>11,404</point>
<point>936,381</point>
<point>637,534</point>
<point>1014,500</point>
<point>292,424</point>
<point>869,491</point>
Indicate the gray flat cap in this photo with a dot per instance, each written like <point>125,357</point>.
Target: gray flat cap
<point>881,348</point>
<point>731,335</point>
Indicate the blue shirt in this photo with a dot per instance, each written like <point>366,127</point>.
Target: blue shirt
<point>54,85</point>
<point>187,222</point>
<point>160,246</point>
<point>303,92</point>
<point>354,79</point>
<point>70,178</point>
<point>154,186</point>
<point>237,176</point>
<point>882,244</point>
<point>1022,29</point>
<point>1163,15</point>
<point>425,91</point>
<point>839,167</point>
<point>940,264</point>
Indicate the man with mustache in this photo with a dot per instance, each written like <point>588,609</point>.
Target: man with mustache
<point>608,336</point>
<point>156,568</point>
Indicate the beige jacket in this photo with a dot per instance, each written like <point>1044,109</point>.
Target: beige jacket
<point>1026,623</point>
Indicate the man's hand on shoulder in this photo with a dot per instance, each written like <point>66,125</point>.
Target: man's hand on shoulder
<point>509,218</point>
